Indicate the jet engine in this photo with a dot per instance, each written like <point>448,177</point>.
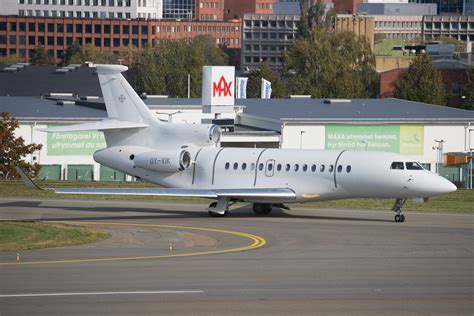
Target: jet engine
<point>197,134</point>
<point>164,160</point>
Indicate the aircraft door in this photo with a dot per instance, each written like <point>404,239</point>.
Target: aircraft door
<point>269,167</point>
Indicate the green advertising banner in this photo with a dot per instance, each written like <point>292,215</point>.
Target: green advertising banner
<point>83,143</point>
<point>404,139</point>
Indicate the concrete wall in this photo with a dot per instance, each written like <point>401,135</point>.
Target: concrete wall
<point>9,7</point>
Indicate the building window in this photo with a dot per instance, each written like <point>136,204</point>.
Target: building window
<point>456,88</point>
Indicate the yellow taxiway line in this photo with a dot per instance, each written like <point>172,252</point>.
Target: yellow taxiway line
<point>257,242</point>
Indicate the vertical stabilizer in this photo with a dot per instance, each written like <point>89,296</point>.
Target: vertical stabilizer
<point>121,101</point>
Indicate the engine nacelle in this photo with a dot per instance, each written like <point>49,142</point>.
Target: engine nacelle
<point>164,160</point>
<point>197,134</point>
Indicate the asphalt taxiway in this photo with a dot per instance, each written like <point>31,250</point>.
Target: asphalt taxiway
<point>304,261</point>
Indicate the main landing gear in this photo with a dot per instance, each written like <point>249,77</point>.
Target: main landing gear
<point>397,207</point>
<point>262,209</point>
<point>219,208</point>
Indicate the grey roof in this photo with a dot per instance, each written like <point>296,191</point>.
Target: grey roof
<point>36,80</point>
<point>304,109</point>
<point>297,109</point>
<point>450,64</point>
<point>43,109</point>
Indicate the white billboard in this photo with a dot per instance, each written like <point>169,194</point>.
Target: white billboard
<point>218,85</point>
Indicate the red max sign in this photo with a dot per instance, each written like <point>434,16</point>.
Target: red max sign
<point>222,88</point>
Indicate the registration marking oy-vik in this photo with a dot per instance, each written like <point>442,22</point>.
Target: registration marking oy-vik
<point>257,242</point>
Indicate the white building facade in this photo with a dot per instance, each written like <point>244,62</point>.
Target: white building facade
<point>103,9</point>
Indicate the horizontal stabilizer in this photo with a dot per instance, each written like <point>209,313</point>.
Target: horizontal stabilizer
<point>108,124</point>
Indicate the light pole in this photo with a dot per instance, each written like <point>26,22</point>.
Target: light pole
<point>439,153</point>
<point>366,143</point>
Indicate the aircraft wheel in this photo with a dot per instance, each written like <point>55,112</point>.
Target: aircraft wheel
<point>399,218</point>
<point>215,214</point>
<point>262,209</point>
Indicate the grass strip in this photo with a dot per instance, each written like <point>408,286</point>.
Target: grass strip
<point>15,235</point>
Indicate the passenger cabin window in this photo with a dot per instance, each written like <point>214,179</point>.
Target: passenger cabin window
<point>339,168</point>
<point>279,167</point>
<point>313,168</point>
<point>348,169</point>
<point>321,168</point>
<point>252,166</point>
<point>413,165</point>
<point>287,167</point>
<point>236,165</point>
<point>297,167</point>
<point>227,165</point>
<point>305,167</point>
<point>331,168</point>
<point>260,166</point>
<point>244,166</point>
<point>397,165</point>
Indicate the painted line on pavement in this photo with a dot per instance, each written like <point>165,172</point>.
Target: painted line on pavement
<point>99,293</point>
<point>257,243</point>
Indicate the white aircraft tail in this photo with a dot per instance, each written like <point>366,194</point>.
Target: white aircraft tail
<point>121,101</point>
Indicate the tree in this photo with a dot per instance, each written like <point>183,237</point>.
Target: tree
<point>164,69</point>
<point>13,149</point>
<point>254,84</point>
<point>421,83</point>
<point>313,15</point>
<point>72,50</point>
<point>468,101</point>
<point>79,55</point>
<point>41,57</point>
<point>331,65</point>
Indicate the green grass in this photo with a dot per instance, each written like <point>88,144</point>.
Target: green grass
<point>385,47</point>
<point>33,235</point>
<point>459,201</point>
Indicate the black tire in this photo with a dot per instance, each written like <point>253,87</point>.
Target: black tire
<point>214,214</point>
<point>398,218</point>
<point>262,209</point>
<point>402,219</point>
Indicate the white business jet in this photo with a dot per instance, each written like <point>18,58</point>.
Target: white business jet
<point>186,160</point>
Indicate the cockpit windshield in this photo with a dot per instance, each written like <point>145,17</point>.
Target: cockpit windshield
<point>413,165</point>
<point>398,165</point>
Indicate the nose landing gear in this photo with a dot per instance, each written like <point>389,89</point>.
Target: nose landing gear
<point>397,207</point>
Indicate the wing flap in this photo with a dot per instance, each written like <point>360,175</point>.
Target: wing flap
<point>108,124</point>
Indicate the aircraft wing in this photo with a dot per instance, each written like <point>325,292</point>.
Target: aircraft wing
<point>244,193</point>
<point>248,193</point>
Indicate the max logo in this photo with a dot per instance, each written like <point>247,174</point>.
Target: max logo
<point>222,88</point>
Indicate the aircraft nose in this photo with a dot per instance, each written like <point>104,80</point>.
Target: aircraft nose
<point>447,186</point>
<point>443,185</point>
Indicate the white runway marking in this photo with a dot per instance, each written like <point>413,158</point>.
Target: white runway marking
<point>99,293</point>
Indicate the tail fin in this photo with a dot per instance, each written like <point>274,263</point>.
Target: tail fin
<point>121,101</point>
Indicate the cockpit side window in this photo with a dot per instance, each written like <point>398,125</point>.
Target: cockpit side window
<point>413,165</point>
<point>397,165</point>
